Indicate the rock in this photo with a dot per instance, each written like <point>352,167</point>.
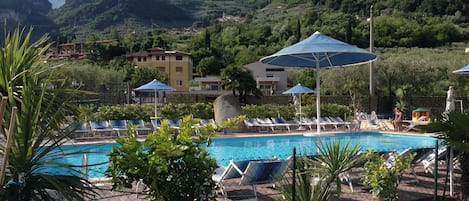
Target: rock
<point>227,106</point>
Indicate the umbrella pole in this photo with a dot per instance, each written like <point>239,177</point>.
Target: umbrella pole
<point>318,101</point>
<point>156,105</point>
<point>301,120</point>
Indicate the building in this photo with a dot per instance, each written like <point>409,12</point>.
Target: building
<point>211,83</point>
<point>78,50</point>
<point>270,79</point>
<point>178,65</point>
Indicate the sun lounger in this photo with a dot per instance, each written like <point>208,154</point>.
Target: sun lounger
<point>205,122</point>
<point>156,123</point>
<point>253,123</point>
<point>249,172</point>
<point>340,122</point>
<point>280,122</point>
<point>263,172</point>
<point>306,122</point>
<point>83,131</point>
<point>101,129</point>
<point>118,126</point>
<point>429,161</point>
<point>413,125</point>
<point>174,123</point>
<point>266,122</point>
<point>141,128</point>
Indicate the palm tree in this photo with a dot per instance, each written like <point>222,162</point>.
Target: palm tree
<point>240,81</point>
<point>456,131</point>
<point>42,101</point>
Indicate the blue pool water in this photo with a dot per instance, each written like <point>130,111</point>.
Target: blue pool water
<point>265,147</point>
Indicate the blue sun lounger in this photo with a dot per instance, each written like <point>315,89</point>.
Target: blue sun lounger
<point>250,172</point>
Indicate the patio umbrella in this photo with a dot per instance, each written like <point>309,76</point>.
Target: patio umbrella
<point>319,51</point>
<point>298,89</point>
<point>154,86</point>
<point>463,70</point>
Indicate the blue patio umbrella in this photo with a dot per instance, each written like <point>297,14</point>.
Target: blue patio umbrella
<point>319,51</point>
<point>463,70</point>
<point>298,89</point>
<point>154,86</point>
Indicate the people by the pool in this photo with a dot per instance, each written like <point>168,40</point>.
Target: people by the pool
<point>397,121</point>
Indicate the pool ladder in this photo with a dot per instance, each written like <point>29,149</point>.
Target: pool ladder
<point>84,166</point>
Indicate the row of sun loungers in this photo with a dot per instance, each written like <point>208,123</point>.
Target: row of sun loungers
<point>274,123</point>
<point>426,157</point>
<point>115,128</point>
<point>266,171</point>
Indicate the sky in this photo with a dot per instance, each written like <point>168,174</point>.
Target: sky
<point>56,3</point>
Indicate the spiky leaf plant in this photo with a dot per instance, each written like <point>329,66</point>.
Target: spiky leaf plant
<point>455,129</point>
<point>335,159</point>
<point>34,163</point>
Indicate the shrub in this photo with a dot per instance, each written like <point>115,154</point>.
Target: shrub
<point>173,167</point>
<point>168,111</point>
<point>383,177</point>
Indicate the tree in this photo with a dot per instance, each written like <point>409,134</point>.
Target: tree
<point>456,130</point>
<point>209,66</point>
<point>240,81</point>
<point>143,75</point>
<point>308,78</point>
<point>41,109</point>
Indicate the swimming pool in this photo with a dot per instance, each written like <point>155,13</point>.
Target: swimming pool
<point>243,148</point>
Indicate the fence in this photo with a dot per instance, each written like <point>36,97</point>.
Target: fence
<point>117,95</point>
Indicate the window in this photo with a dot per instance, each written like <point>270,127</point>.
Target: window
<point>178,70</point>
<point>139,59</point>
<point>275,69</point>
<point>144,59</point>
<point>163,58</point>
<point>161,69</point>
<point>179,58</point>
<point>157,58</point>
<point>179,83</point>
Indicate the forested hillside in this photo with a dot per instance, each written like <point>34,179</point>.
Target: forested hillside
<point>77,19</point>
<point>27,13</point>
<point>83,16</point>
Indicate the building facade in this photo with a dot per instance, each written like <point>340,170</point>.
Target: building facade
<point>178,65</point>
<point>270,79</point>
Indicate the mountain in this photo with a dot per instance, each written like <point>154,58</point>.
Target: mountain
<point>28,13</point>
<point>82,17</point>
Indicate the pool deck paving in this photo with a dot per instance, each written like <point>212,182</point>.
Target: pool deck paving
<point>408,191</point>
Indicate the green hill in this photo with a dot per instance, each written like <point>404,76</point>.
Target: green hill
<point>82,17</point>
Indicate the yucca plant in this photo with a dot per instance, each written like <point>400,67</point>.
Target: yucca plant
<point>34,162</point>
<point>335,159</point>
<point>455,128</point>
<point>308,186</point>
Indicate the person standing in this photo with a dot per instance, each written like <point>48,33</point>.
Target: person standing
<point>358,119</point>
<point>397,121</point>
